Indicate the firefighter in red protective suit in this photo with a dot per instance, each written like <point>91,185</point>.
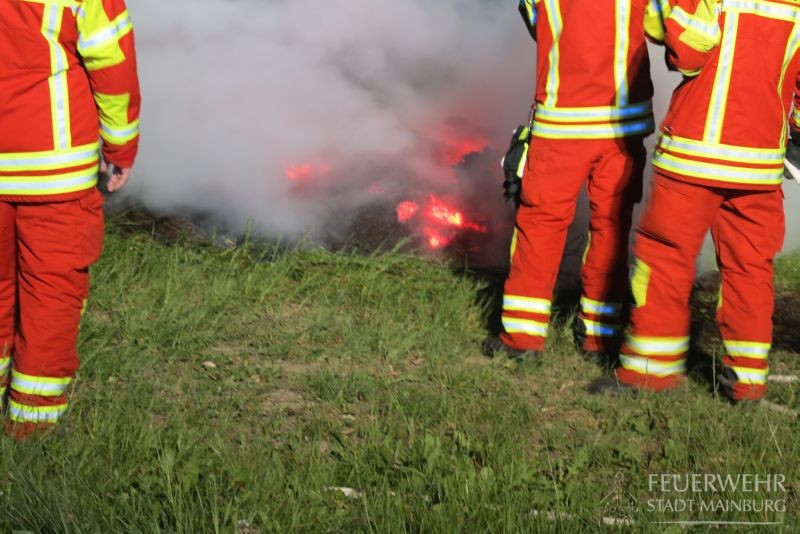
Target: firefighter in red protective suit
<point>719,166</point>
<point>594,109</point>
<point>67,78</point>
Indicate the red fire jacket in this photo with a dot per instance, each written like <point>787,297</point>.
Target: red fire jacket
<point>67,78</point>
<point>727,123</point>
<point>593,79</point>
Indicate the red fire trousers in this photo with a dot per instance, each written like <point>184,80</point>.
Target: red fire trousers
<point>748,231</point>
<point>557,169</point>
<point>45,253</point>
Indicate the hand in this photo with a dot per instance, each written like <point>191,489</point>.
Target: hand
<point>118,178</point>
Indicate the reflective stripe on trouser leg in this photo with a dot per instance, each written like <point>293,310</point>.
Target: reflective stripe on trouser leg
<point>747,235</point>
<point>556,171</point>
<point>653,362</point>
<point>23,413</point>
<point>5,369</point>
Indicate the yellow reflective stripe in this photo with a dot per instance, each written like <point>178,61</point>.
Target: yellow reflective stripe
<point>722,81</point>
<point>647,366</point>
<point>21,413</point>
<point>717,172</point>
<point>98,43</point>
<point>594,131</point>
<point>658,346</point>
<point>59,91</point>
<point>112,32</point>
<point>113,112</point>
<point>38,385</point>
<point>708,29</point>
<point>588,247</point>
<point>530,9</point>
<point>640,282</point>
<point>754,377</point>
<point>49,160</point>
<point>526,304</point>
<point>5,365</point>
<point>748,349</point>
<point>741,154</point>
<point>603,114</point>
<point>556,27</point>
<point>513,325</point>
<point>598,329</point>
<point>514,240</point>
<point>595,307</point>
<point>763,8</point>
<point>656,13</point>
<point>791,49</point>
<point>49,185</point>
<point>621,49</point>
<point>120,136</point>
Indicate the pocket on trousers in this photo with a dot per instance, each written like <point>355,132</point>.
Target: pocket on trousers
<point>91,229</point>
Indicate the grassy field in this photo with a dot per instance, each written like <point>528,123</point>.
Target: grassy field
<point>226,391</point>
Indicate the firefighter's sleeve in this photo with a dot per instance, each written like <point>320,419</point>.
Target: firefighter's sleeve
<point>527,8</point>
<point>692,33</point>
<point>106,45</point>
<point>655,16</point>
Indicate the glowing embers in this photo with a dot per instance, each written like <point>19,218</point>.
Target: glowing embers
<point>436,221</point>
<point>303,172</point>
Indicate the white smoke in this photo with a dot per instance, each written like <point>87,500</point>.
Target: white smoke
<point>238,92</point>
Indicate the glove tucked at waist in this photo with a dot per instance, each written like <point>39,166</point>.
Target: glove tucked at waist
<point>514,164</point>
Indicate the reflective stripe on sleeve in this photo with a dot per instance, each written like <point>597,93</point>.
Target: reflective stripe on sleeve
<point>21,413</point>
<point>526,304</point>
<point>38,385</point>
<point>709,30</point>
<point>771,10</point>
<point>119,136</point>
<point>513,325</point>
<point>112,33</point>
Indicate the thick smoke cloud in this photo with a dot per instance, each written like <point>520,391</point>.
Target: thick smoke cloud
<point>293,117</point>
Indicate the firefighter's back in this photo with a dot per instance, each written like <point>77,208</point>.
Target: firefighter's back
<point>593,70</point>
<point>727,125</point>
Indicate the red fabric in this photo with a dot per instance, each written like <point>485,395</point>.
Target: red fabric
<point>586,53</point>
<point>556,172</point>
<point>748,230</point>
<point>26,118</point>
<point>758,99</point>
<point>45,253</point>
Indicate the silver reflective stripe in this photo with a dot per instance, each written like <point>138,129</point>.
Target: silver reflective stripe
<point>593,131</point>
<point>650,346</point>
<point>48,160</point>
<point>746,349</point>
<point>724,152</point>
<point>21,413</point>
<point>513,325</point>
<point>722,81</point>
<point>526,304</point>
<point>596,329</point>
<point>706,29</point>
<point>42,386</point>
<point>763,9</point>
<point>755,377</point>
<point>595,114</point>
<point>118,28</point>
<point>652,367</point>
<point>556,27</point>
<point>47,184</point>
<point>595,307</point>
<point>710,171</point>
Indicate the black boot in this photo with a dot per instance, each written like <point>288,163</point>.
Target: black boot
<point>494,346</point>
<point>727,380</point>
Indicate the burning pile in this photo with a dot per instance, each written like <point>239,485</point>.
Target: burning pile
<point>436,221</point>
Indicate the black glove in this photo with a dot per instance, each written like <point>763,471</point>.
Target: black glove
<point>514,164</point>
<point>792,162</point>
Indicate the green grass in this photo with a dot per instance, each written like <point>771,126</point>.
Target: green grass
<point>223,392</point>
